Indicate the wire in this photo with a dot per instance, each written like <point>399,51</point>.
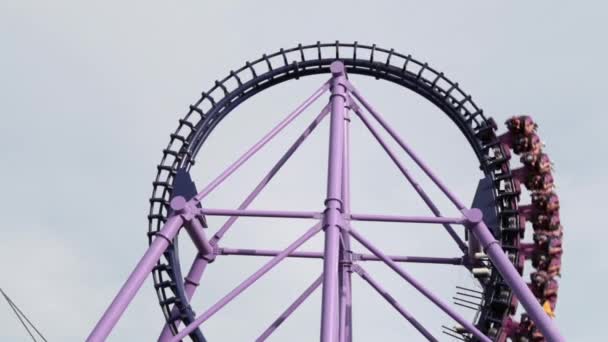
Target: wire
<point>21,316</point>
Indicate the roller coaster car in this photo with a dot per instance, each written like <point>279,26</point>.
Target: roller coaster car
<point>538,162</point>
<point>538,281</point>
<point>521,125</point>
<point>547,202</point>
<point>549,263</point>
<point>544,204</point>
<point>550,289</point>
<point>539,182</point>
<point>556,233</point>
<point>543,285</point>
<point>555,266</point>
<point>546,242</point>
<point>548,222</point>
<point>526,143</point>
<point>527,331</point>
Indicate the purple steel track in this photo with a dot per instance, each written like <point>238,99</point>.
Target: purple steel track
<point>339,261</point>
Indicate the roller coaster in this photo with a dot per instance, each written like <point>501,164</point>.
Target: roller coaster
<point>492,242</point>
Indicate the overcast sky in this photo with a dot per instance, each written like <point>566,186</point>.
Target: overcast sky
<point>91,91</point>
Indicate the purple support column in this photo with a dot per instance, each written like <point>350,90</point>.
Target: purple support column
<point>333,205</point>
<point>257,146</point>
<point>493,249</point>
<point>136,279</point>
<point>191,282</point>
<point>360,271</point>
<point>290,309</point>
<point>205,254</point>
<point>428,294</point>
<point>427,200</point>
<point>246,283</point>
<point>345,299</point>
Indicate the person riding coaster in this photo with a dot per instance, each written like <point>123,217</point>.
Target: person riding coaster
<point>526,143</point>
<point>543,285</point>
<point>539,162</point>
<point>526,331</point>
<point>549,263</point>
<point>539,182</point>
<point>548,244</point>
<point>543,203</point>
<point>520,143</point>
<point>521,135</point>
<point>547,222</point>
<point>535,179</point>
<point>522,124</point>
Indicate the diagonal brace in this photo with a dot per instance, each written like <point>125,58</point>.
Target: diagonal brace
<point>309,290</point>
<point>408,316</point>
<point>246,283</point>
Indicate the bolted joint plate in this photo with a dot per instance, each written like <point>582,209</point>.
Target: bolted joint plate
<point>187,209</point>
<point>473,215</point>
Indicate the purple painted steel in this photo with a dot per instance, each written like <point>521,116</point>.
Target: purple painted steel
<point>355,256</point>
<point>191,282</point>
<point>206,254</point>
<point>292,149</point>
<point>262,213</point>
<point>512,277</point>
<point>392,301</point>
<point>257,146</point>
<point>428,294</point>
<point>427,200</point>
<point>246,283</point>
<point>290,309</point>
<point>197,235</point>
<point>199,264</point>
<point>193,277</point>
<point>333,205</point>
<point>414,259</point>
<point>345,300</point>
<point>407,148</point>
<point>406,219</point>
<point>266,253</point>
<point>135,280</point>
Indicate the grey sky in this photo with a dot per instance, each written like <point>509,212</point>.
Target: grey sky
<point>91,91</point>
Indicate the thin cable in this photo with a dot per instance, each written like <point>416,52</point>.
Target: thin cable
<point>19,315</point>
